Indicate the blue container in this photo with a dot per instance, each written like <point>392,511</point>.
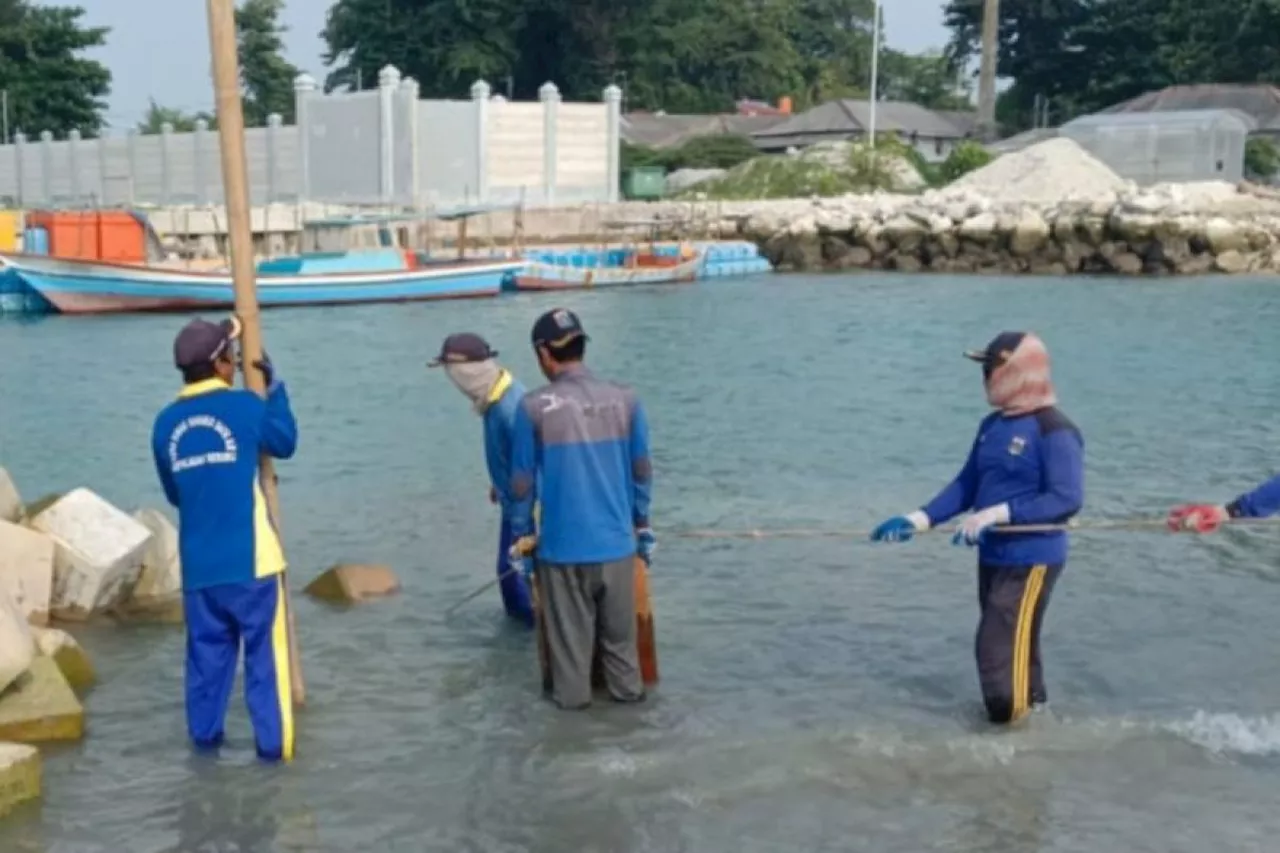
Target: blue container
<point>35,241</point>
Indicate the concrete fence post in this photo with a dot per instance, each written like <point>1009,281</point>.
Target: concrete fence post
<point>20,165</point>
<point>199,145</point>
<point>480,92</point>
<point>166,163</point>
<point>550,97</point>
<point>46,166</point>
<point>408,105</point>
<point>103,166</point>
<point>275,122</point>
<point>132,152</point>
<point>304,88</point>
<point>388,82</point>
<point>73,165</point>
<point>613,104</point>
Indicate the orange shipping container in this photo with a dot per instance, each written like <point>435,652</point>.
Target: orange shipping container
<point>122,239</point>
<point>73,234</point>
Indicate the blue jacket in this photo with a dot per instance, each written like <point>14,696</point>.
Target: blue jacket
<point>499,427</point>
<point>1034,463</point>
<point>585,443</point>
<point>1260,503</point>
<point>206,447</point>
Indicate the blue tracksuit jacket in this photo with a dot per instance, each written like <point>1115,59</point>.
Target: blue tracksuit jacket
<point>584,442</point>
<point>499,432</point>
<point>1034,463</point>
<point>206,447</point>
<point>1259,503</point>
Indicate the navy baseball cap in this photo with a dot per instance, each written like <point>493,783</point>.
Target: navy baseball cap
<point>557,328</point>
<point>202,342</point>
<point>997,352</point>
<point>463,347</point>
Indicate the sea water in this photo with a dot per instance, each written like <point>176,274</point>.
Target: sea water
<point>817,694</point>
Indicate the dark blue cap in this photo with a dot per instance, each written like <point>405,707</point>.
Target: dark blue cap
<point>558,328</point>
<point>461,348</point>
<point>998,351</point>
<point>202,342</point>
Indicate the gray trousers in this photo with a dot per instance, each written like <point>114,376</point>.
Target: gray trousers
<point>590,607</point>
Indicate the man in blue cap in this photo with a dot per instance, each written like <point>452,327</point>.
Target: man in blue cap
<point>495,395</point>
<point>206,446</point>
<point>584,442</point>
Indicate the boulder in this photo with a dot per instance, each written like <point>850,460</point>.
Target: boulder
<point>20,775</point>
<point>350,584</point>
<point>26,570</point>
<point>157,596</point>
<point>1126,263</point>
<point>980,228</point>
<point>17,646</point>
<point>98,554</point>
<point>1029,234</point>
<point>1231,261</point>
<point>41,706</point>
<point>1223,235</point>
<point>64,650</point>
<point>10,501</point>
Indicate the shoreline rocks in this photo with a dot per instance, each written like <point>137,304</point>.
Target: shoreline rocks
<point>20,775</point>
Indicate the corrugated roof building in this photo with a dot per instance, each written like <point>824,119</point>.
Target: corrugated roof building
<point>933,133</point>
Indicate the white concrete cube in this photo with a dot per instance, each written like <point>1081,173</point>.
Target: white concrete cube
<point>10,500</point>
<point>17,645</point>
<point>26,570</point>
<point>98,553</point>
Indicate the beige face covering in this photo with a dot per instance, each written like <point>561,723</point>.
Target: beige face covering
<point>475,379</point>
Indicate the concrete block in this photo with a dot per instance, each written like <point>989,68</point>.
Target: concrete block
<point>157,596</point>
<point>98,554</point>
<point>26,570</point>
<point>20,775</point>
<point>17,646</point>
<point>10,501</point>
<point>41,706</point>
<point>72,660</point>
<point>351,584</point>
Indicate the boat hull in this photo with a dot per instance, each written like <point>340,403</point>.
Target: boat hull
<point>543,276</point>
<point>80,287</point>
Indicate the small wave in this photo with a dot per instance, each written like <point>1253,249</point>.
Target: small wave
<point>1223,734</point>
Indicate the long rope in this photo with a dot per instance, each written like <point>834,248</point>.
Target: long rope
<point>1134,524</point>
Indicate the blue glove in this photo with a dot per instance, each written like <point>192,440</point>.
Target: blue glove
<point>646,544</point>
<point>900,528</point>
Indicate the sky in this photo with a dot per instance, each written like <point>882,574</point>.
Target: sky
<point>160,48</point>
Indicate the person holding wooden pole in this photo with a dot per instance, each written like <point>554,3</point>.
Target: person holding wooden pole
<point>1026,467</point>
<point>206,446</point>
<point>235,183</point>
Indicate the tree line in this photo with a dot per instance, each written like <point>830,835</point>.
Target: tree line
<point>1063,57</point>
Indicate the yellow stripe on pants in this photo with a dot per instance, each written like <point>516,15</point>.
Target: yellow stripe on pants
<point>1022,635</point>
<point>283,665</point>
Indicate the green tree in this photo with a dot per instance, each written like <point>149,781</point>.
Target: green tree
<point>182,122</point>
<point>265,75</point>
<point>50,85</point>
<point>929,80</point>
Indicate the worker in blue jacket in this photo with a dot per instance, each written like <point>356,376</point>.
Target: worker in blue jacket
<point>1262,502</point>
<point>495,395</point>
<point>584,442</point>
<point>206,446</point>
<point>1026,467</point>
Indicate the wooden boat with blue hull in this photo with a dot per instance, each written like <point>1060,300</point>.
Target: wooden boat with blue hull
<point>91,287</point>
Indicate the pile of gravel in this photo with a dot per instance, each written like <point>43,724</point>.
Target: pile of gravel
<point>1045,173</point>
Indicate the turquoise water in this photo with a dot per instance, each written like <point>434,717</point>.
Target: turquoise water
<point>817,694</point>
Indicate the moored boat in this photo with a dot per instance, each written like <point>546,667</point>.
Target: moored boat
<point>92,287</point>
<point>547,271</point>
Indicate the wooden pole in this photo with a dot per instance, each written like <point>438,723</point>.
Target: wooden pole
<point>987,70</point>
<point>235,183</point>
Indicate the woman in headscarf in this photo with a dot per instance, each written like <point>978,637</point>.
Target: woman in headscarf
<point>1026,467</point>
<point>495,396</point>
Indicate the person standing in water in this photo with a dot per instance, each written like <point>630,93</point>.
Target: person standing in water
<point>584,441</point>
<point>206,446</point>
<point>1262,502</point>
<point>495,395</point>
<point>1026,467</point>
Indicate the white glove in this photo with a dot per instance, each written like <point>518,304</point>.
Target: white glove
<point>973,528</point>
